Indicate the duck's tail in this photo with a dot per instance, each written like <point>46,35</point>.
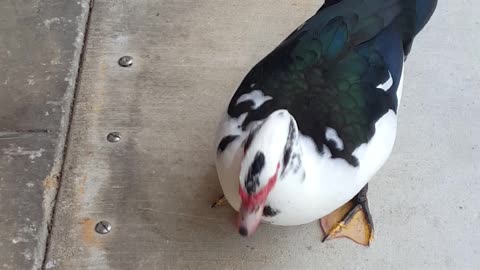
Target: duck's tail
<point>415,15</point>
<point>407,16</point>
<point>328,3</point>
<point>423,11</point>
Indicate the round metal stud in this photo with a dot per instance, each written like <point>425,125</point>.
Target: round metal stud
<point>103,227</point>
<point>114,137</point>
<point>125,61</point>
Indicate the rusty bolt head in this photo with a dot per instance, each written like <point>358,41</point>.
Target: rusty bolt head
<point>103,227</point>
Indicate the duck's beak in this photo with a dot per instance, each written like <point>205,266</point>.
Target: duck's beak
<point>249,218</point>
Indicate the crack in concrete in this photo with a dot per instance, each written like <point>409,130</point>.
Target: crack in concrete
<point>51,194</point>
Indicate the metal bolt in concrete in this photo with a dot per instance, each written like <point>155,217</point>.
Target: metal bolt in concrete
<point>103,227</point>
<point>114,137</point>
<point>125,61</point>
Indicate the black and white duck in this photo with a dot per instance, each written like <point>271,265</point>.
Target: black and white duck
<point>313,121</point>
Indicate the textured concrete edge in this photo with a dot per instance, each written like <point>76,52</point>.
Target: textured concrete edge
<point>54,177</point>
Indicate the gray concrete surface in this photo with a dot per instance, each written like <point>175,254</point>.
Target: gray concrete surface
<point>156,185</point>
<point>40,44</point>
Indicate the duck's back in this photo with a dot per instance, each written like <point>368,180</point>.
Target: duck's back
<point>340,70</point>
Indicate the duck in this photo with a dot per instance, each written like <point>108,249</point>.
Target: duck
<point>314,120</point>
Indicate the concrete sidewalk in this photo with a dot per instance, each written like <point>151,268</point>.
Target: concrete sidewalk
<point>40,45</point>
<point>155,185</point>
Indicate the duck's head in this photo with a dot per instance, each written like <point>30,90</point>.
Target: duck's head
<point>268,149</point>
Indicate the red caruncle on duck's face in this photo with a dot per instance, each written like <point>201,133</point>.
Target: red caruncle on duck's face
<point>253,203</point>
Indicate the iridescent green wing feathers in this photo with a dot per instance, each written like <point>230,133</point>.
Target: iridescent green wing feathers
<point>333,84</point>
<point>326,73</point>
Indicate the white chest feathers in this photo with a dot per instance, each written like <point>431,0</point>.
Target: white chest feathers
<point>309,184</point>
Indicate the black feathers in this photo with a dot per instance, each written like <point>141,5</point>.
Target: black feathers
<point>252,182</point>
<point>287,151</point>
<point>225,142</point>
<point>248,141</point>
<point>268,211</point>
<point>326,72</point>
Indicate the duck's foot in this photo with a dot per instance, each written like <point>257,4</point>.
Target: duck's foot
<point>351,220</point>
<point>220,202</point>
